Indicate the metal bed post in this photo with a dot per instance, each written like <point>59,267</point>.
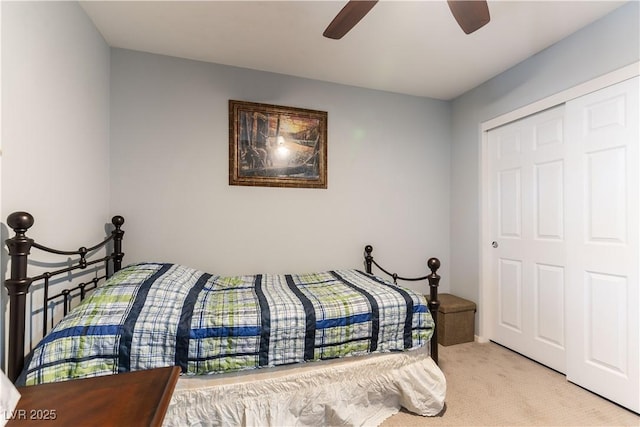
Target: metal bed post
<point>434,303</point>
<point>117,234</point>
<point>18,287</point>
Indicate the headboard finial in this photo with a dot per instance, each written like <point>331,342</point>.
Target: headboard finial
<point>433,264</point>
<point>117,221</point>
<point>368,258</point>
<point>20,222</point>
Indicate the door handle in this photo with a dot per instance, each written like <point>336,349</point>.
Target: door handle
<point>494,244</point>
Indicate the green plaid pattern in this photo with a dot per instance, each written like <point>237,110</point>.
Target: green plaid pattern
<point>151,315</point>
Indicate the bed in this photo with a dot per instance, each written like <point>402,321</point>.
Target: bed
<point>337,347</point>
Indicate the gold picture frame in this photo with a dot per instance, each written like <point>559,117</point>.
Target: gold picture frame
<point>276,146</point>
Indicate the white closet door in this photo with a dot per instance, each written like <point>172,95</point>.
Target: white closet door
<point>602,296</point>
<point>528,265</point>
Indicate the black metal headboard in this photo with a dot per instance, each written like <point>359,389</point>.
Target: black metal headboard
<point>18,284</point>
<point>434,281</point>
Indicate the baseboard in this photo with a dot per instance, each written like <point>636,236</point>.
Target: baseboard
<point>479,339</point>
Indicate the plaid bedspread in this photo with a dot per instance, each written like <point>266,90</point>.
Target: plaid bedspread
<point>151,315</point>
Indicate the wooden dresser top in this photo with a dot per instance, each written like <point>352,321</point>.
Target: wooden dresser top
<point>136,398</point>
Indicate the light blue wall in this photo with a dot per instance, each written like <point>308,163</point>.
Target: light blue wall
<point>55,117</point>
<point>604,46</point>
<point>55,128</point>
<point>388,173</point>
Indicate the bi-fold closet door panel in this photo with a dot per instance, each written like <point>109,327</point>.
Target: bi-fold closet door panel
<point>564,190</point>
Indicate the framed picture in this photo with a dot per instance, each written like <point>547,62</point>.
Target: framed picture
<point>275,146</point>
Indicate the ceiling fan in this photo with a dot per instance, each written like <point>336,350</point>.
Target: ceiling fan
<point>470,14</point>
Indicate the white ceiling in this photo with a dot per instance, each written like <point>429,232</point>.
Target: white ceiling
<point>409,47</point>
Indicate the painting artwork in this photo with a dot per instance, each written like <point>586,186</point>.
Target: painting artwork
<point>276,146</point>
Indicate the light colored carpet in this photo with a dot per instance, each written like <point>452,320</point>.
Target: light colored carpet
<point>489,385</point>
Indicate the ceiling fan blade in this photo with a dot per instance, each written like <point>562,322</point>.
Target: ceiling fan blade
<point>470,14</point>
<point>348,17</point>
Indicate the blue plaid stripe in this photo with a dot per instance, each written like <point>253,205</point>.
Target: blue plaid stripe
<point>309,316</point>
<point>374,317</point>
<point>288,322</point>
<point>265,316</point>
<point>124,359</point>
<point>184,327</point>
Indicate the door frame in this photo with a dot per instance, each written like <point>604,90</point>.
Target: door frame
<point>487,309</point>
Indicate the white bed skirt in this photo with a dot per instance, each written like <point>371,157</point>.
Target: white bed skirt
<point>356,391</point>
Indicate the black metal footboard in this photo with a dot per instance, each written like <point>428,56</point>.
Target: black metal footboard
<point>434,281</point>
